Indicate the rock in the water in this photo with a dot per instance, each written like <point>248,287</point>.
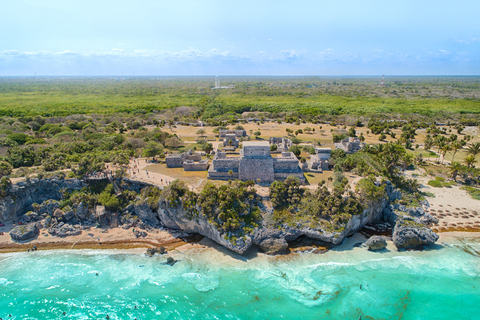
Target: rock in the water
<point>24,232</point>
<point>376,243</point>
<point>171,261</point>
<point>143,211</point>
<point>273,246</point>
<point>152,251</point>
<point>410,234</point>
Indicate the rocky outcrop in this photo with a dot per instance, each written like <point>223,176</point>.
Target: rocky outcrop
<point>64,230</point>
<point>175,218</point>
<point>376,243</point>
<point>24,232</point>
<point>82,211</point>
<point>30,216</point>
<point>410,225</point>
<point>22,195</point>
<point>409,233</point>
<point>143,211</point>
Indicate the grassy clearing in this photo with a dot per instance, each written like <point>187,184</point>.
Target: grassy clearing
<point>197,179</point>
<point>313,178</point>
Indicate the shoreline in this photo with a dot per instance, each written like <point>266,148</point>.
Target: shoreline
<point>172,243</point>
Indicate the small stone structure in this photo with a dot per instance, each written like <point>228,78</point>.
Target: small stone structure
<point>255,162</point>
<point>319,161</point>
<point>237,133</point>
<point>231,137</point>
<point>349,145</point>
<point>190,165</point>
<point>283,144</point>
<point>188,160</point>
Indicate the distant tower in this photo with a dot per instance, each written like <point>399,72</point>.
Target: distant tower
<point>217,82</point>
<point>383,81</point>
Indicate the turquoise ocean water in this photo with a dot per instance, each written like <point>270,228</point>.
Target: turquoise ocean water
<point>443,283</point>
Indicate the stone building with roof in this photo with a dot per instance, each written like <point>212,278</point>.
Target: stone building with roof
<point>255,162</point>
<point>349,145</point>
<point>318,161</point>
<point>189,161</point>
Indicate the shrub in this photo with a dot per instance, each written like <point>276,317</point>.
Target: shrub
<point>19,138</point>
<point>435,183</point>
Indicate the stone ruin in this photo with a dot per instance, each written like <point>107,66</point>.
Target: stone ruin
<point>231,137</point>
<point>237,133</point>
<point>189,161</point>
<point>283,144</point>
<point>255,162</point>
<point>319,161</point>
<point>349,145</point>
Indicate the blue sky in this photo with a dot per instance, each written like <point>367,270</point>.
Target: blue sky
<point>208,37</point>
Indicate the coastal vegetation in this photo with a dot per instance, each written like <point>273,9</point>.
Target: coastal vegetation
<point>306,96</point>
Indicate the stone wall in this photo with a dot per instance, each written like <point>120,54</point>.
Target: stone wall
<point>238,133</point>
<point>191,165</point>
<point>174,161</point>
<point>253,169</point>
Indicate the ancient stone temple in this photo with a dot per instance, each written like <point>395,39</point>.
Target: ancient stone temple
<point>188,160</point>
<point>349,145</point>
<point>319,161</point>
<point>255,162</point>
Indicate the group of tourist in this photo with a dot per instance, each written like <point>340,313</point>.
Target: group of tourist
<point>2,225</point>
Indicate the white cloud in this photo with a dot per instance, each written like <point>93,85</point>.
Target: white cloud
<point>468,40</point>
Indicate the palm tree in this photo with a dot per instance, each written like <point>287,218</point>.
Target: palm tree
<point>444,149</point>
<point>455,146</point>
<point>406,160</point>
<point>413,185</point>
<point>474,149</point>
<point>455,168</point>
<point>470,160</point>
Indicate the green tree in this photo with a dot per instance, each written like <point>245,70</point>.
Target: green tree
<point>455,168</point>
<point>173,142</point>
<point>470,161</point>
<point>5,169</point>
<point>296,150</point>
<point>455,146</point>
<point>474,149</point>
<point>352,132</point>
<point>152,149</point>
<point>108,199</point>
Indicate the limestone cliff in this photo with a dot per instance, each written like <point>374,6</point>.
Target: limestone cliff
<point>22,195</point>
<point>175,218</point>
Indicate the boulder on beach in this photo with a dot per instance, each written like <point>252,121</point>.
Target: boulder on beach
<point>273,246</point>
<point>411,234</point>
<point>376,243</point>
<point>24,232</point>
<point>30,216</point>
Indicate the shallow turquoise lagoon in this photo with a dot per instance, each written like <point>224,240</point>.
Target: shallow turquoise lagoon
<point>442,283</point>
